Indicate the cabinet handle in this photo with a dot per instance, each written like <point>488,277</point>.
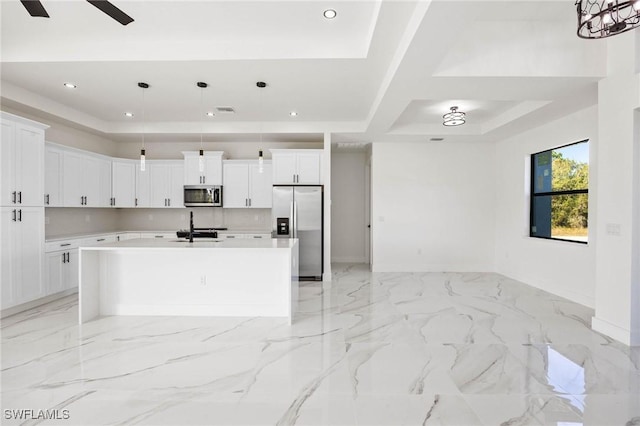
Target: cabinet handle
<point>159,236</point>
<point>169,202</point>
<point>68,260</point>
<point>136,202</point>
<point>257,236</point>
<point>64,258</point>
<point>249,202</point>
<point>204,179</point>
<point>114,201</point>
<point>20,215</point>
<point>231,236</point>
<point>100,239</point>
<point>47,199</point>
<point>14,215</point>
<point>65,245</point>
<point>13,197</point>
<point>20,197</point>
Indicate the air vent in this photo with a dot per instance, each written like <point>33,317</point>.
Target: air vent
<point>225,110</point>
<point>352,145</point>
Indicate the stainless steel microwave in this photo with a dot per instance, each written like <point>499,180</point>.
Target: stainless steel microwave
<point>203,196</point>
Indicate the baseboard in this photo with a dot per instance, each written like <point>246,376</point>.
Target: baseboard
<point>394,267</point>
<point>615,332</point>
<point>35,303</point>
<point>348,259</point>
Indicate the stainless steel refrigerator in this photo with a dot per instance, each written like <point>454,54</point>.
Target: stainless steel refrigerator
<point>297,212</point>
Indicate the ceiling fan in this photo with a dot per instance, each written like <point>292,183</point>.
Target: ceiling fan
<point>35,8</point>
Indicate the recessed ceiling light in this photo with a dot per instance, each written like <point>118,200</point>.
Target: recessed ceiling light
<point>211,114</point>
<point>70,85</point>
<point>330,13</point>
<point>293,114</point>
<point>128,114</point>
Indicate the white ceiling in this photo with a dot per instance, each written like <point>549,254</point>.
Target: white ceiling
<point>379,71</point>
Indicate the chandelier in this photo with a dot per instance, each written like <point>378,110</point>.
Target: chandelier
<point>454,117</point>
<point>605,18</point>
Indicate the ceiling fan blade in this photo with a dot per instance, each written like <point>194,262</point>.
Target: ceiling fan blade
<point>35,8</point>
<point>112,11</point>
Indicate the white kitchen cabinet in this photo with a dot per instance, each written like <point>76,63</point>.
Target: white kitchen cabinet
<point>143,187</point>
<point>62,267</point>
<point>297,166</point>
<point>245,186</point>
<point>86,180</point>
<point>22,246</point>
<point>21,162</point>
<point>166,183</point>
<point>53,166</point>
<point>123,183</point>
<point>212,168</point>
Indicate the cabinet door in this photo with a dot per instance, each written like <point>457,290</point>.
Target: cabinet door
<point>103,198</point>
<point>213,170</point>
<point>123,186</point>
<point>72,179</point>
<point>236,183</point>
<point>53,177</point>
<point>8,228</point>
<point>71,272</point>
<point>308,168</point>
<point>55,262</point>
<point>29,163</point>
<point>192,173</point>
<point>260,186</point>
<point>284,168</point>
<point>159,183</point>
<point>143,187</point>
<point>7,164</point>
<point>176,185</point>
<point>30,253</point>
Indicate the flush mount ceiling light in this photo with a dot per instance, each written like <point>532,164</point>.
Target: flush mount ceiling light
<point>605,18</point>
<point>293,114</point>
<point>211,114</point>
<point>128,114</point>
<point>70,85</point>
<point>330,13</point>
<point>454,117</point>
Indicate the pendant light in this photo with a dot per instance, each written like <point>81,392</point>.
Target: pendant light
<point>261,85</point>
<point>202,85</point>
<point>143,166</point>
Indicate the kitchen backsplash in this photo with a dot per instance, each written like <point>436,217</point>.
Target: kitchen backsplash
<point>68,221</point>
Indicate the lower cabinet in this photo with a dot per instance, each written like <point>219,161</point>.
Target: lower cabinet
<point>62,271</point>
<point>21,249</point>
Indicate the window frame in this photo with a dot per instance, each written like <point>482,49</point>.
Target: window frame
<point>533,194</point>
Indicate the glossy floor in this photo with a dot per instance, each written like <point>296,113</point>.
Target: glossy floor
<point>368,349</point>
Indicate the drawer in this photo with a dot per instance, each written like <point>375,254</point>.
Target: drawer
<point>61,245</point>
<point>108,238</point>
<point>166,235</point>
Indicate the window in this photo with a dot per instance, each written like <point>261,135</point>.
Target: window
<point>560,193</point>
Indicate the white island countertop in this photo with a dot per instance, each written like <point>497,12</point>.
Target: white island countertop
<point>198,243</point>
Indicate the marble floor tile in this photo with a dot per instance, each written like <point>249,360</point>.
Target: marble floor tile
<point>364,349</point>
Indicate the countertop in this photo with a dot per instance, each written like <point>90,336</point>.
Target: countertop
<point>169,231</point>
<point>166,243</point>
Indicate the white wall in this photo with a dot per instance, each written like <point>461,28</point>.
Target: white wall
<point>563,268</point>
<point>433,206</point>
<point>348,207</point>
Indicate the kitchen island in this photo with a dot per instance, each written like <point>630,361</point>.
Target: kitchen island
<point>243,277</point>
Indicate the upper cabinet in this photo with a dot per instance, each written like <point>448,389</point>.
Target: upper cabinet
<point>86,180</point>
<point>53,166</point>
<point>21,161</point>
<point>246,185</point>
<point>166,183</point>
<point>297,166</point>
<point>123,183</point>
<point>211,173</point>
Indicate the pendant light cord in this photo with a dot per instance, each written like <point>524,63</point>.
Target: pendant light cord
<point>200,114</point>
<point>144,122</point>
